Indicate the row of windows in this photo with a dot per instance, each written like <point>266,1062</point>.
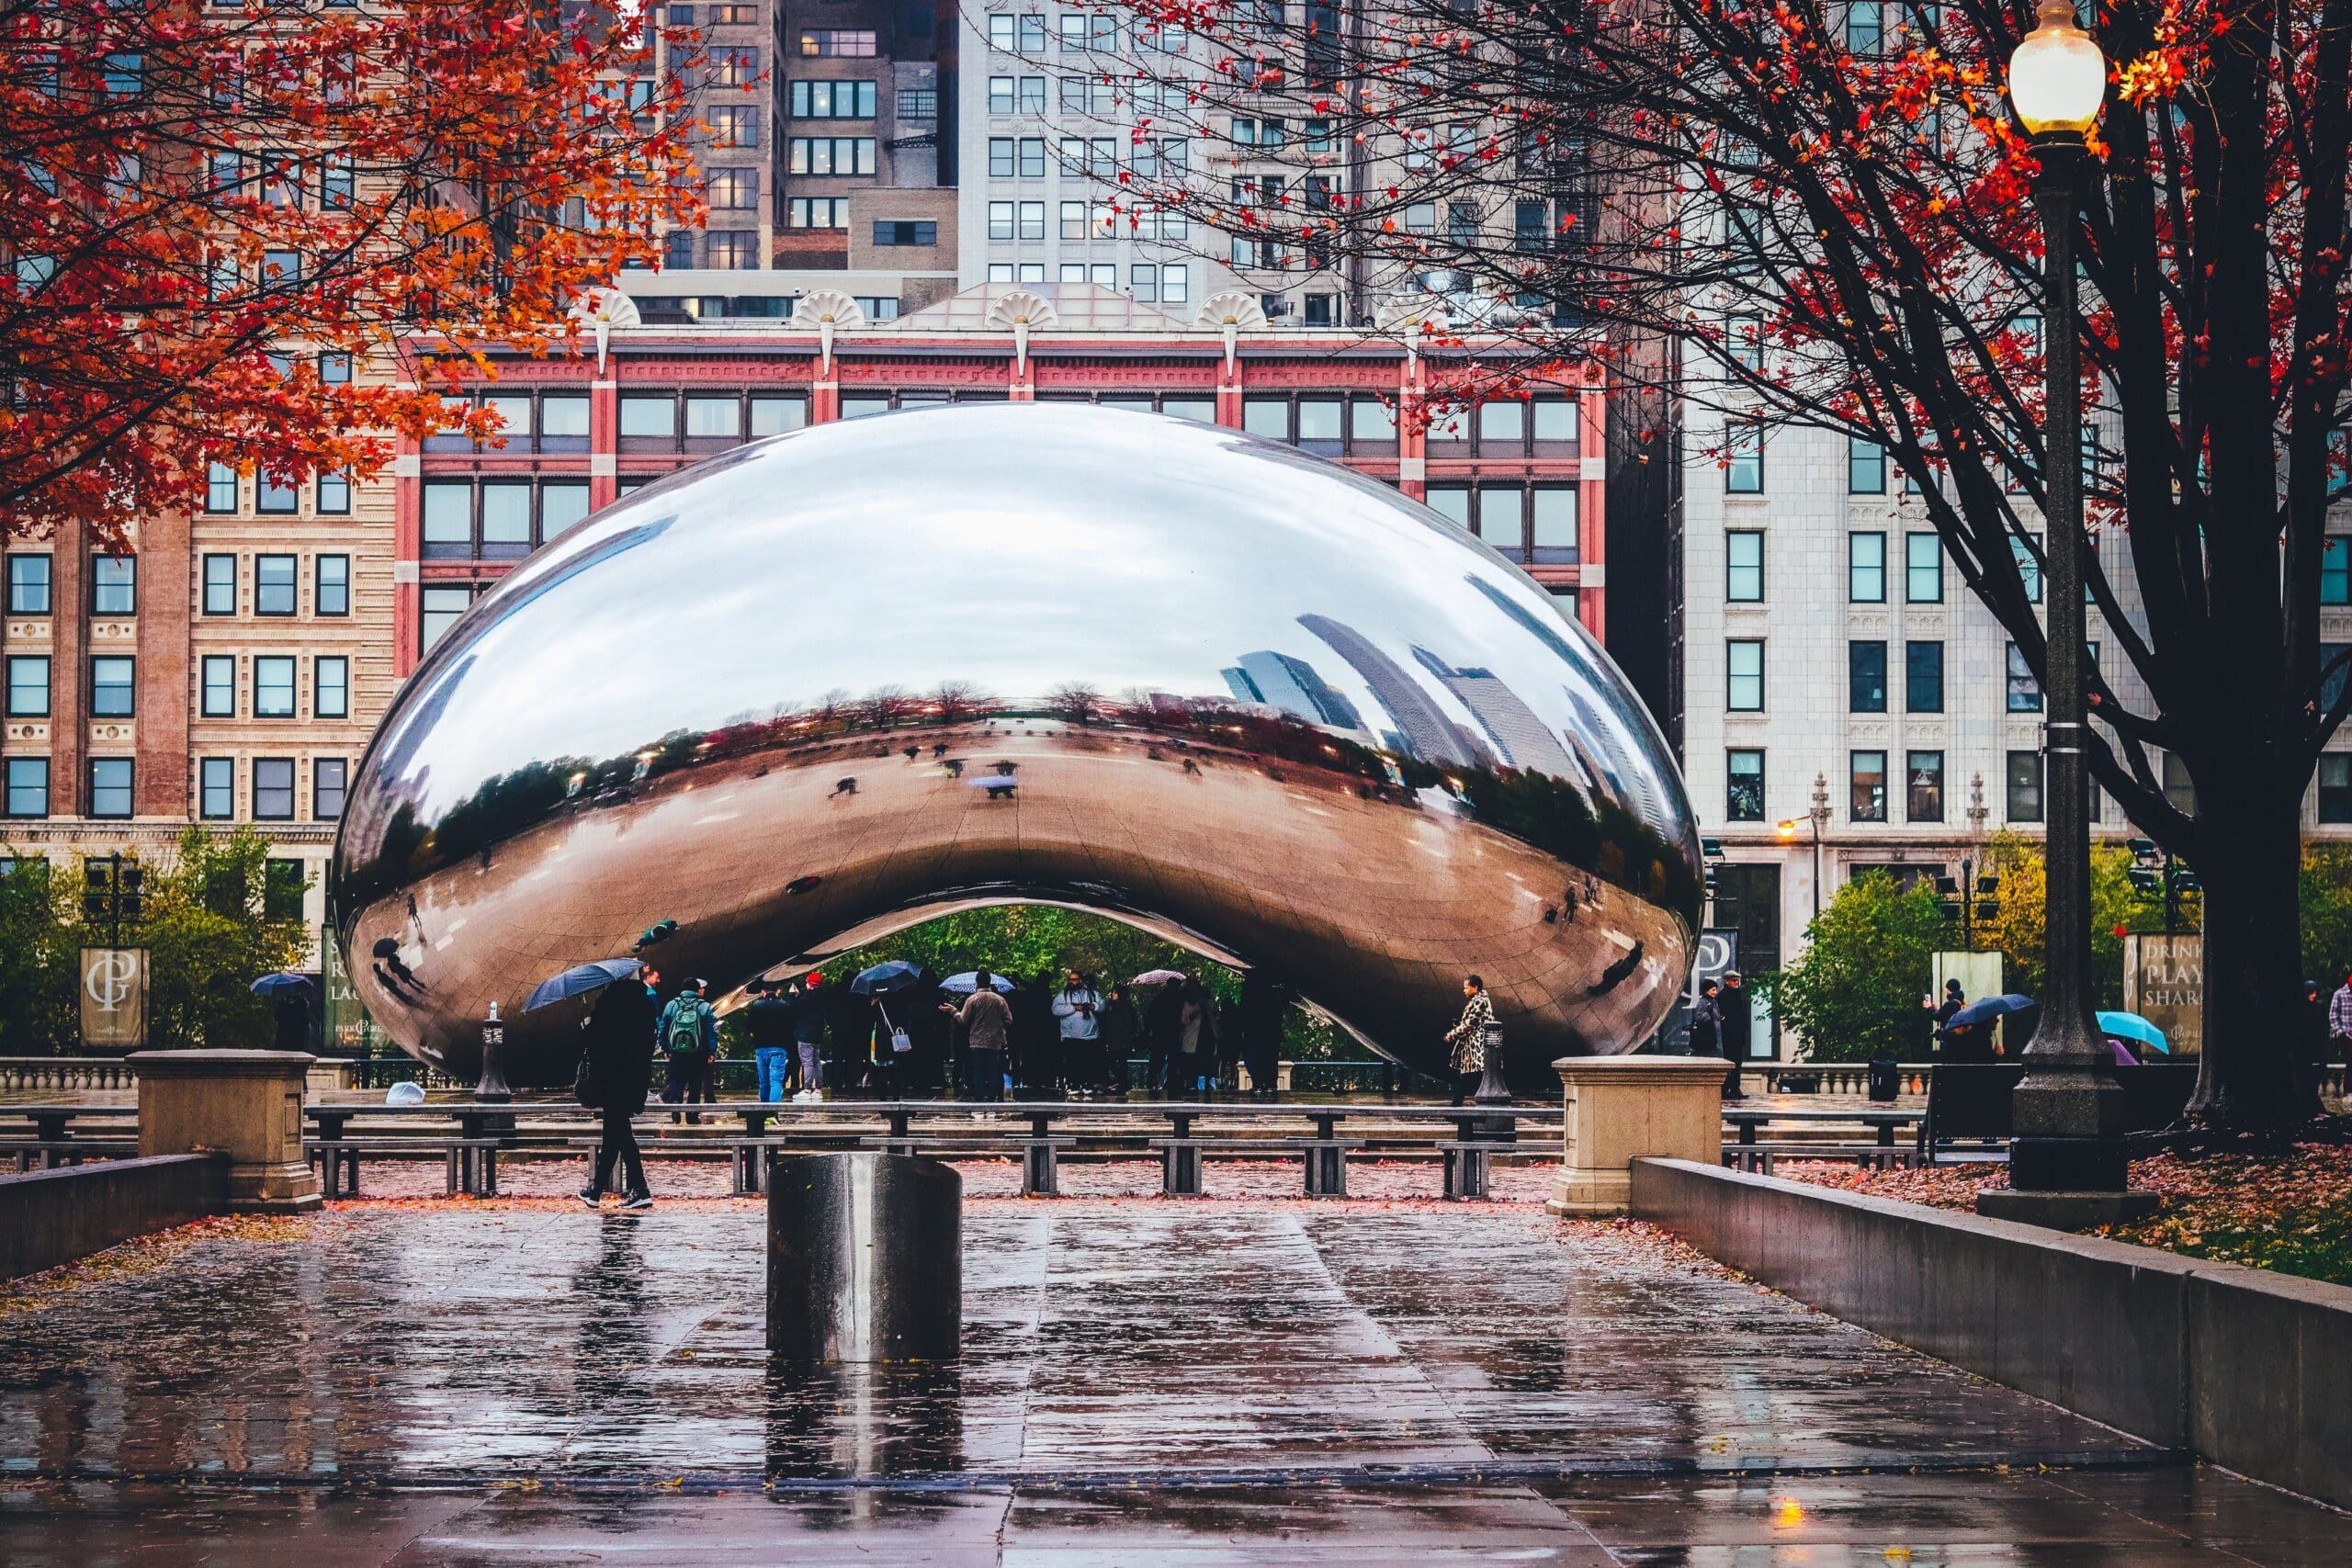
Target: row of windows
<point>273,694</point>
<point>114,585</point>
<point>498,519</point>
<point>1169,282</point>
<point>1923,677</point>
<point>224,490</point>
<point>833,100</point>
<point>1867,786</point>
<point>277,585</point>
<point>849,156</point>
<point>112,780</point>
<point>1922,568</point>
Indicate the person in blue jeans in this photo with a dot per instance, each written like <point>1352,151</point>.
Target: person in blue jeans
<point>769,1019</point>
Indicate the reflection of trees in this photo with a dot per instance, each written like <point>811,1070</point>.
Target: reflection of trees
<point>1074,702</point>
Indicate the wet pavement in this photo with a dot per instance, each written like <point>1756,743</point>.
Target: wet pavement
<point>1142,1381</point>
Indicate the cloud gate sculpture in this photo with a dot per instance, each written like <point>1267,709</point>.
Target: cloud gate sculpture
<point>834,684</point>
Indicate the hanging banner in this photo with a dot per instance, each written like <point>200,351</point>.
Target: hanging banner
<point>114,998</point>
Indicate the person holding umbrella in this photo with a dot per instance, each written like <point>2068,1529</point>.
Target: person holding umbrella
<point>808,1036</point>
<point>619,1062</point>
<point>1119,1029</point>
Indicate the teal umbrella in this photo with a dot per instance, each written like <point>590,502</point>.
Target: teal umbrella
<point>2131,1026</point>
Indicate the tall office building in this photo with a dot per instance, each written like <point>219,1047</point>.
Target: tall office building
<point>1293,685</point>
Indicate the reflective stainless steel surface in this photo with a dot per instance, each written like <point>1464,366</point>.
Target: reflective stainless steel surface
<point>866,1258</point>
<point>837,682</point>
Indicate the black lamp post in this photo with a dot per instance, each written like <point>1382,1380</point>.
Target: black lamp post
<point>2067,1163</point>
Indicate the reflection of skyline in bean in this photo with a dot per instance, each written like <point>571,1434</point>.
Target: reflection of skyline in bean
<point>1276,709</point>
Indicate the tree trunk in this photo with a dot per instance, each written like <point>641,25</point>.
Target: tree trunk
<point>2251,851</point>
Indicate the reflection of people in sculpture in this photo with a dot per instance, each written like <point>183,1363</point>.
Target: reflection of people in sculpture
<point>1467,1041</point>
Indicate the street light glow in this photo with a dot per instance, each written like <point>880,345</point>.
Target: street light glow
<point>1789,828</point>
<point>2057,77</point>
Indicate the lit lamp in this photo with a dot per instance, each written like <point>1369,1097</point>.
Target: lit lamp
<point>2068,1166</point>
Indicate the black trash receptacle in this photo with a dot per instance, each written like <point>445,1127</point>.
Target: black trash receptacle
<point>1884,1077</point>
<point>866,1258</point>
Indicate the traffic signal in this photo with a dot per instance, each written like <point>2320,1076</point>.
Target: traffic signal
<point>112,890</point>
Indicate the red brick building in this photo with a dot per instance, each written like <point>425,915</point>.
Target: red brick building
<point>1526,474</point>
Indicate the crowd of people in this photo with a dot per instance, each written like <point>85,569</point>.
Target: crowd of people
<point>1052,1036</point>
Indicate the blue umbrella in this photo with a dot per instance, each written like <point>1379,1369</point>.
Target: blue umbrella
<point>2131,1026</point>
<point>580,979</point>
<point>1989,1008</point>
<point>969,981</point>
<point>281,982</point>
<point>898,974</point>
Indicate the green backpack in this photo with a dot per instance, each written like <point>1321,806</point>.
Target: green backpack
<point>683,1035</point>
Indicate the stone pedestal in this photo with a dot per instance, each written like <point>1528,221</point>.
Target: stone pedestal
<point>245,1104</point>
<point>1620,1108</point>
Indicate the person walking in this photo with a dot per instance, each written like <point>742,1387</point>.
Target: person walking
<point>881,1052</point>
<point>769,1020</point>
<point>1467,1039</point>
<point>1196,1055</point>
<point>808,1036</point>
<point>1037,1039</point>
<point>619,1051</point>
<point>689,1033</point>
<point>1163,1022</point>
<point>292,1031</point>
<point>1078,1009</point>
<point>1738,1028</point>
<point>1264,1006</point>
<point>985,1019</point>
<point>1954,1000</point>
<point>1119,1033</point>
<point>2339,1022</point>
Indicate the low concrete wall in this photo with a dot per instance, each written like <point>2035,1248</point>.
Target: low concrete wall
<point>2248,1369</point>
<point>48,1217</point>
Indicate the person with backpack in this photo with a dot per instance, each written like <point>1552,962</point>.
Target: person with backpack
<point>616,1071</point>
<point>689,1035</point>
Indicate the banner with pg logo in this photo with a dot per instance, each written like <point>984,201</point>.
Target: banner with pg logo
<point>114,997</point>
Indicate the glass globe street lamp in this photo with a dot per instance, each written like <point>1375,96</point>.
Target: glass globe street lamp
<point>2068,1166</point>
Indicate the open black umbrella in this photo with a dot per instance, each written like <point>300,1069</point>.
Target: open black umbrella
<point>580,979</point>
<point>1990,1008</point>
<point>280,983</point>
<point>884,979</point>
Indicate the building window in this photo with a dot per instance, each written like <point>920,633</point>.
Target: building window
<point>1744,340</point>
<point>2025,786</point>
<point>333,595</point>
<point>27,786</point>
<point>2336,570</point>
<point>330,693</point>
<point>1032,33</point>
<point>334,493</point>
<point>1923,569</point>
<point>273,789</point>
<point>1322,425</point>
<point>275,497</point>
<point>220,585</point>
<point>28,585</point>
<point>1866,783</point>
<point>733,190</point>
<point>274,585</point>
<point>29,685</point>
<point>1268,417</point>
<point>2179,792</point>
<point>114,585</point>
<point>1000,220</point>
<point>113,686</point>
<point>110,786</point>
<point>1450,501</point>
<point>714,419</point>
<point>1866,568</point>
<point>1744,786</point>
<point>918,103</point>
<point>1743,674</point>
<point>564,505</point>
<point>908,231</point>
<point>274,687</point>
<point>1743,457</point>
<point>2029,568</point>
<point>818,212</point>
<point>1552,524</point>
<point>1923,677</point>
<point>1866,677</point>
<point>507,518</point>
<point>837,43</point>
<point>282,884</point>
<point>219,489</point>
<point>439,609</point>
<point>1865,467</point>
<point>732,125</point>
<point>1032,220</point>
<point>1743,566</point>
<point>1865,27</point>
<point>2024,691</point>
<point>833,100</point>
<point>1502,427</point>
<point>329,778</point>
<point>773,416</point>
<point>2336,786</point>
<point>999,94</point>
<point>821,155</point>
<point>732,250</point>
<point>216,788</point>
<point>448,519</point>
<point>1924,772</point>
<point>220,687</point>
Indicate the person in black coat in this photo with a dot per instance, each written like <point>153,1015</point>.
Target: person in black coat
<point>1263,1005</point>
<point>620,1072</point>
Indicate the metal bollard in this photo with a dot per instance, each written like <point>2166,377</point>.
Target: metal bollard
<point>866,1258</point>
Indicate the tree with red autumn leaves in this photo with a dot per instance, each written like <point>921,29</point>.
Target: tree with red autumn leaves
<point>1787,211</point>
<point>211,213</point>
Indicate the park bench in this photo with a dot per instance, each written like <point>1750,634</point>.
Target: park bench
<point>1969,1104</point>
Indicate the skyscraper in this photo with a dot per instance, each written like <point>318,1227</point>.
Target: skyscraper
<point>1428,734</point>
<point>1292,686</point>
<point>1520,736</point>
